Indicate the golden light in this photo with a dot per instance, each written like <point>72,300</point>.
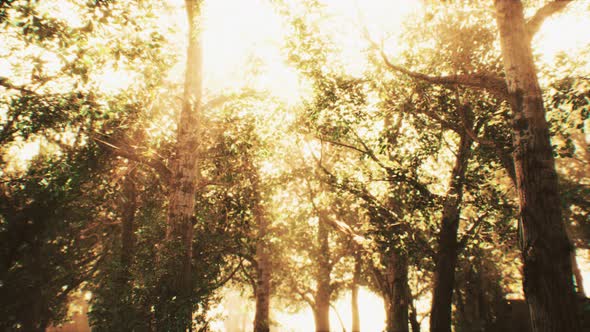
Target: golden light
<point>563,33</point>
<point>242,47</point>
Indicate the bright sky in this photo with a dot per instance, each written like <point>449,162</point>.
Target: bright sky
<point>239,33</point>
<point>256,32</point>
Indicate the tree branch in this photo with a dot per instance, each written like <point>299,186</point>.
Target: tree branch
<point>5,82</point>
<point>344,145</point>
<point>534,23</point>
<point>130,153</point>
<point>227,278</point>
<point>483,81</point>
<point>471,232</point>
<point>220,100</point>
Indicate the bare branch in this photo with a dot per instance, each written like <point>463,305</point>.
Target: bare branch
<point>534,23</point>
<point>471,231</point>
<point>344,145</point>
<point>220,100</point>
<point>227,278</point>
<point>483,81</point>
<point>130,153</point>
<point>5,82</point>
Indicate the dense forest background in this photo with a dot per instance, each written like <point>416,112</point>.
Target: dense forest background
<point>286,165</point>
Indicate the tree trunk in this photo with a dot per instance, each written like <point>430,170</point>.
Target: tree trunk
<point>263,273</point>
<point>548,285</point>
<point>413,313</point>
<point>176,307</point>
<point>444,270</point>
<point>323,292</point>
<point>263,266</point>
<point>356,324</point>
<point>124,277</point>
<point>128,225</point>
<point>396,299</point>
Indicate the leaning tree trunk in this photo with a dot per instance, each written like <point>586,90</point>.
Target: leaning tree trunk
<point>176,307</point>
<point>356,279</point>
<point>395,292</point>
<point>548,285</point>
<point>323,292</point>
<point>446,261</point>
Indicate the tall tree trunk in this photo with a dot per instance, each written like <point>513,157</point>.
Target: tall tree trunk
<point>323,292</point>
<point>123,279</point>
<point>261,317</point>
<point>176,309</point>
<point>263,266</point>
<point>546,250</point>
<point>396,288</point>
<point>446,261</point>
<point>128,225</point>
<point>356,279</point>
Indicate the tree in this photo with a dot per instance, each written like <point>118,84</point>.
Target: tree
<point>545,245</point>
<point>176,308</point>
<point>535,170</point>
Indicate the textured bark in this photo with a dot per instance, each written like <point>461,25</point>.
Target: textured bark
<point>263,274</point>
<point>263,266</point>
<point>128,226</point>
<point>323,292</point>
<point>124,278</point>
<point>175,312</point>
<point>395,292</point>
<point>356,279</point>
<point>446,261</point>
<point>546,249</point>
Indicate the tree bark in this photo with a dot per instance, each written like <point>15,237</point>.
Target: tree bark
<point>176,309</point>
<point>446,261</point>
<point>323,292</point>
<point>546,250</point>
<point>128,225</point>
<point>396,288</point>
<point>263,265</point>
<point>261,317</point>
<point>124,277</point>
<point>356,278</point>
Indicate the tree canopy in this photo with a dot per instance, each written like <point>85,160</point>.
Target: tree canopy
<point>424,162</point>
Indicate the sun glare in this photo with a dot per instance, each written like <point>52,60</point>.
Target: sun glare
<point>235,314</point>
<point>563,33</point>
<point>243,47</point>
